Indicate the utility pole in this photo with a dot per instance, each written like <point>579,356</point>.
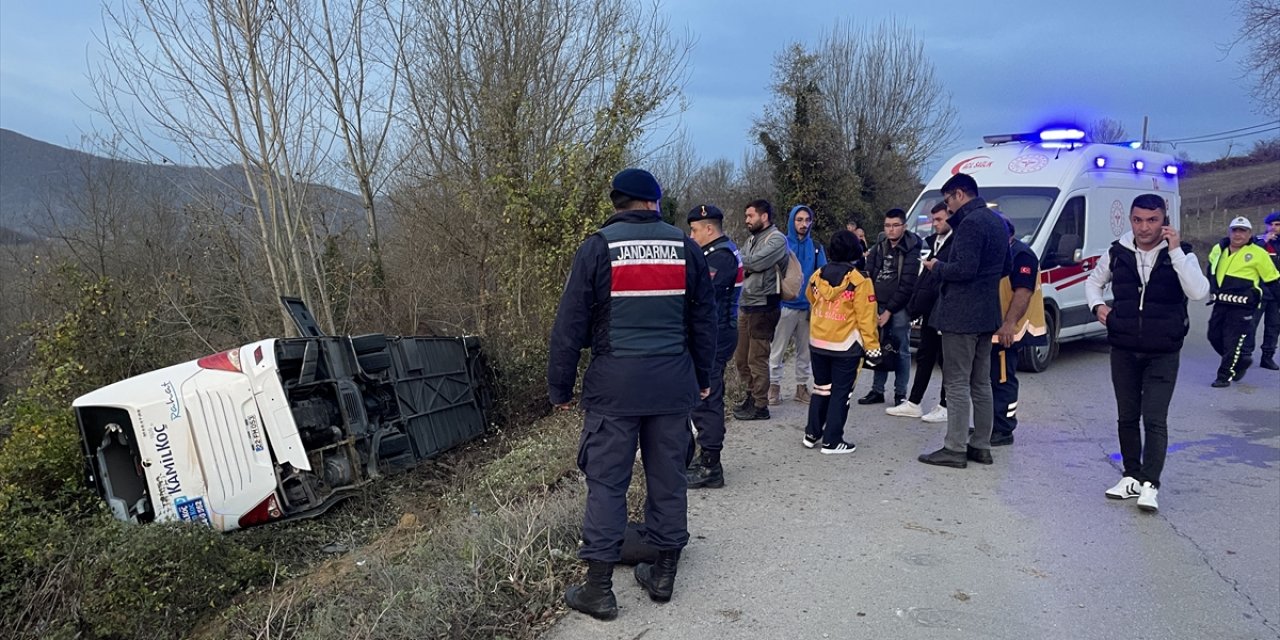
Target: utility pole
<point>1144,132</point>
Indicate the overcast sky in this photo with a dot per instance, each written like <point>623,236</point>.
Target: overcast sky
<point>1009,66</point>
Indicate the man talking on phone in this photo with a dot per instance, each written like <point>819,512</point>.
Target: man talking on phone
<point>1152,275</point>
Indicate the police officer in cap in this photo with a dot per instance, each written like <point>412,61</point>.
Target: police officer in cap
<point>706,228</point>
<point>639,296</point>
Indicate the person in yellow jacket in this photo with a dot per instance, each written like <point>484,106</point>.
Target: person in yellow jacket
<point>1238,272</point>
<point>842,331</point>
<point>1022,307</point>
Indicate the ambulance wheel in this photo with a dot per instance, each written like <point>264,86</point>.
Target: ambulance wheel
<point>1037,359</point>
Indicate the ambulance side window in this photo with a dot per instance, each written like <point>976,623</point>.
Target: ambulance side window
<point>1067,235</point>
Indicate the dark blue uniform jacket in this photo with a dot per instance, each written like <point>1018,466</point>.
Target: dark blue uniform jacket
<point>632,384</point>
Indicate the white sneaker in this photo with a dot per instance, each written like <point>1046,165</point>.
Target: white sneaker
<point>939,414</point>
<point>1147,501</point>
<point>907,409</point>
<point>1125,489</point>
<point>810,441</point>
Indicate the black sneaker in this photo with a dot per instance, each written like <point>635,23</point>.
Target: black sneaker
<point>945,457</point>
<point>1268,362</point>
<point>872,397</point>
<point>1001,439</point>
<point>839,447</point>
<point>1220,383</point>
<point>747,403</point>
<point>754,413</point>
<point>980,456</point>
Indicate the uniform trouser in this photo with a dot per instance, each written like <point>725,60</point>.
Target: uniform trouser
<point>793,326</point>
<point>708,415</point>
<point>1228,326</point>
<point>966,373</point>
<point>899,331</point>
<point>606,453</point>
<point>1004,388</point>
<point>755,332</point>
<point>927,355</point>
<point>833,380</point>
<point>1143,384</point>
<point>1269,316</point>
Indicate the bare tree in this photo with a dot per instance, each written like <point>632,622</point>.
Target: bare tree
<point>352,49</point>
<point>1106,130</point>
<point>520,110</point>
<point>883,92</point>
<point>1260,28</point>
<point>222,82</point>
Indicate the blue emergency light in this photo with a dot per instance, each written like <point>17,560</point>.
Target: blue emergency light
<point>1138,165</point>
<point>1100,162</point>
<point>1171,169</point>
<point>1062,135</point>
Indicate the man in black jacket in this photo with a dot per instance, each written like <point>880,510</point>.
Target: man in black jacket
<point>1152,275</point>
<point>705,227</point>
<point>929,353</point>
<point>894,265</point>
<point>968,313</point>
<point>639,296</point>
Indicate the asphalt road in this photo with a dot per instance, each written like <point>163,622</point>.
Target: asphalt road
<point>876,545</point>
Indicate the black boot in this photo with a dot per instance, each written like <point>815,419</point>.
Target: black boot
<point>595,596</point>
<point>659,579</point>
<point>747,403</point>
<point>706,472</point>
<point>1269,362</point>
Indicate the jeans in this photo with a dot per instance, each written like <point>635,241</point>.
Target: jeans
<point>966,373</point>
<point>793,325</point>
<point>928,355</point>
<point>833,379</point>
<point>1143,383</point>
<point>755,332</point>
<point>898,329</point>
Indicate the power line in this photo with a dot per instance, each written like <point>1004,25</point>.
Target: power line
<point>1225,133</point>
<point>1221,137</point>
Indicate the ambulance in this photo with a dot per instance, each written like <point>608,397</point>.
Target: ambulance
<point>1068,198</point>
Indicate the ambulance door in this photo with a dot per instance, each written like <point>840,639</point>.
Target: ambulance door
<point>1064,267</point>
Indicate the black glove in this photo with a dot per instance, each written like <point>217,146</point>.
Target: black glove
<point>871,359</point>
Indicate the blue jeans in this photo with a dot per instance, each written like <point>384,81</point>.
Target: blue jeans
<point>898,329</point>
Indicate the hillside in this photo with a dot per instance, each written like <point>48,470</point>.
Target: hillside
<point>42,185</point>
<point>1211,200</point>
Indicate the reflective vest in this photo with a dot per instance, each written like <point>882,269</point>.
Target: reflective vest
<point>646,289</point>
<point>1236,277</point>
<point>1031,326</point>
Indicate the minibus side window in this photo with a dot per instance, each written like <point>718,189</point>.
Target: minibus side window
<point>1067,235</point>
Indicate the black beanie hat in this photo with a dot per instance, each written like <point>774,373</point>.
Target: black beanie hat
<point>638,184</point>
<point>844,247</point>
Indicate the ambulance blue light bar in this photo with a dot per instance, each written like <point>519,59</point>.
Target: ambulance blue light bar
<point>1171,169</point>
<point>1064,138</point>
<point>1062,135</point>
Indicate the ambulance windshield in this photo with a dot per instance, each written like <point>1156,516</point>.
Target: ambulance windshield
<point>1025,206</point>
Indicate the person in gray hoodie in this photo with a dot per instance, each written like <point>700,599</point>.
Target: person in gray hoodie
<point>759,307</point>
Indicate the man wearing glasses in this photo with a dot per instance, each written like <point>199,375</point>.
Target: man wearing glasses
<point>894,265</point>
<point>968,314</point>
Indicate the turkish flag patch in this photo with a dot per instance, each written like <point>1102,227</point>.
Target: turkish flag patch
<point>1026,271</point>
<point>871,298</point>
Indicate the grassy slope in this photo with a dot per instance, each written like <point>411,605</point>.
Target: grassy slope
<point>1211,200</point>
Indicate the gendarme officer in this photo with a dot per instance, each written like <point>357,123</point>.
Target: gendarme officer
<point>639,295</point>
